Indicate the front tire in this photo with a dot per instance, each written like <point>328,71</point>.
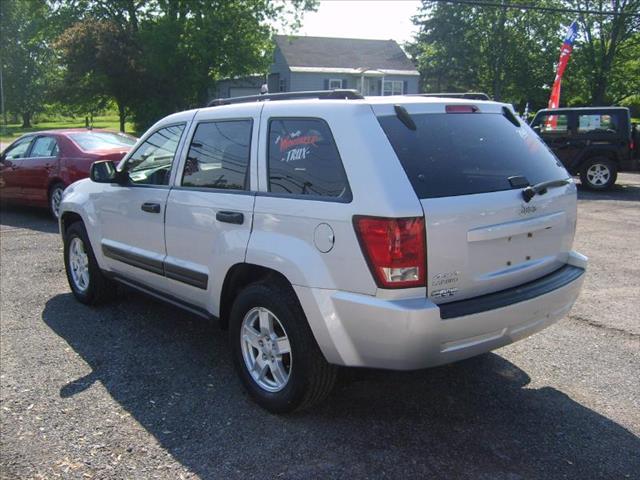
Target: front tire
<point>274,350</point>
<point>599,173</point>
<point>86,280</point>
<point>55,197</point>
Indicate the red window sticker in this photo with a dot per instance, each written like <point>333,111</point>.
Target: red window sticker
<point>295,146</point>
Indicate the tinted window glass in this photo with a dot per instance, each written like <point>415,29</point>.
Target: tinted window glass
<point>304,160</point>
<point>553,123</point>
<point>597,122</point>
<point>151,163</point>
<point>89,141</point>
<point>18,150</point>
<point>219,155</point>
<point>44,147</point>
<point>460,154</point>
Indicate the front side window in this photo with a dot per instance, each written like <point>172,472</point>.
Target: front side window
<point>18,150</point>
<point>151,163</point>
<point>597,122</point>
<point>553,123</point>
<point>393,87</point>
<point>304,160</point>
<point>44,147</point>
<point>219,156</point>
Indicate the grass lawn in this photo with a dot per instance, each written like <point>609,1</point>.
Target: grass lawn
<point>110,122</point>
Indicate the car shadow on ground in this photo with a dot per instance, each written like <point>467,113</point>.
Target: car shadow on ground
<point>30,218</point>
<point>474,419</point>
<point>621,191</point>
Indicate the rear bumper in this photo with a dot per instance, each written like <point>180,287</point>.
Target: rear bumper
<point>364,331</point>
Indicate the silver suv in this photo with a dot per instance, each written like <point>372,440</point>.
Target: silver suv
<point>335,230</point>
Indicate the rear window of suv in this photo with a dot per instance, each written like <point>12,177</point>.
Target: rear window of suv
<point>462,154</point>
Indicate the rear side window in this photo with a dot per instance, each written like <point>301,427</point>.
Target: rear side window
<point>461,154</point>
<point>304,159</point>
<point>219,156</point>
<point>44,147</point>
<point>597,122</point>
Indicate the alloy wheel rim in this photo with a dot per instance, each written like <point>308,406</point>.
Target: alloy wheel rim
<point>598,174</point>
<point>56,198</point>
<point>79,264</point>
<point>266,349</point>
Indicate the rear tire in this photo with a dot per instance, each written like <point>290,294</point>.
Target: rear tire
<point>305,378</point>
<point>55,197</point>
<point>599,173</point>
<point>87,282</point>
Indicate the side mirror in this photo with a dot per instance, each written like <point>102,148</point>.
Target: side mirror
<point>105,172</point>
<point>536,128</point>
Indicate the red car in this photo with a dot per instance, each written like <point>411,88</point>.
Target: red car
<point>37,167</point>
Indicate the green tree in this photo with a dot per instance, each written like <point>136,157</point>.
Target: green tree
<point>26,56</point>
<point>609,49</point>
<point>511,53</point>
<point>175,50</point>
<point>204,40</point>
<point>506,52</point>
<point>100,60</point>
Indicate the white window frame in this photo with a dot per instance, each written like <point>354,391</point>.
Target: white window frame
<point>332,80</point>
<point>394,90</point>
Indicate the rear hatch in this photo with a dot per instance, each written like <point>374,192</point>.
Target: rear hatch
<point>468,164</point>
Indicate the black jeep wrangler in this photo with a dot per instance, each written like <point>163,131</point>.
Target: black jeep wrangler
<point>594,142</point>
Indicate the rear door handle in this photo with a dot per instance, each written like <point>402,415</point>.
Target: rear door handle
<point>151,207</point>
<point>230,217</point>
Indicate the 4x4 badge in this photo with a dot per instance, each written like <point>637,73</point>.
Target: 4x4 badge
<point>444,293</point>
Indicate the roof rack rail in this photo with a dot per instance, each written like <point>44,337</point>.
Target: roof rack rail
<point>337,94</point>
<point>467,95</point>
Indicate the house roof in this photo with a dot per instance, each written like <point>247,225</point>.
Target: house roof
<point>343,55</point>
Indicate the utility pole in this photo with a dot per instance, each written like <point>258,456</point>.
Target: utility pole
<point>4,112</point>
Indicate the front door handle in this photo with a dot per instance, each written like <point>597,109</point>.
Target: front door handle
<point>151,207</point>
<point>230,217</point>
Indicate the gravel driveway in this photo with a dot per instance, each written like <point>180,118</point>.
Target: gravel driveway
<point>138,389</point>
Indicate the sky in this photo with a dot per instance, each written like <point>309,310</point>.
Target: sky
<point>381,19</point>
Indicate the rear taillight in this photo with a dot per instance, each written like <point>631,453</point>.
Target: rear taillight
<point>395,249</point>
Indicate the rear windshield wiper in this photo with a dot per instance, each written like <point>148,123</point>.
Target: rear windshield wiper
<point>404,117</point>
<point>510,116</point>
<point>541,188</point>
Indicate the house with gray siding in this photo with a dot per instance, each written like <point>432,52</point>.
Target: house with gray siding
<point>373,67</point>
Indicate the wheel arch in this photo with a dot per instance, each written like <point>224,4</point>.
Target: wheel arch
<point>607,153</point>
<point>67,219</point>
<point>54,181</point>
<point>239,276</point>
